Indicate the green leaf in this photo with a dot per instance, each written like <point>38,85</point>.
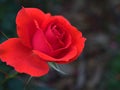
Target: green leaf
<point>36,87</point>
<point>14,84</point>
<point>1,87</point>
<point>2,77</point>
<point>5,67</point>
<point>27,82</point>
<point>57,67</point>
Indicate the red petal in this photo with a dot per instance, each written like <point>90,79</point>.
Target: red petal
<point>15,54</point>
<point>65,59</point>
<point>77,39</point>
<point>40,43</point>
<point>55,42</point>
<point>62,26</point>
<point>26,26</point>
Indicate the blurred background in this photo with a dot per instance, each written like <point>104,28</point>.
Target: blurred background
<point>98,68</point>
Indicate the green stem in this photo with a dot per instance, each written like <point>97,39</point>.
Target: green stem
<point>27,82</point>
<point>6,75</point>
<point>4,35</point>
<point>9,77</point>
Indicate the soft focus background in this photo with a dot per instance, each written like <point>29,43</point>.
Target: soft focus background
<point>98,68</point>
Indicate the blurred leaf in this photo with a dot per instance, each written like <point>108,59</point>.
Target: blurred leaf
<point>37,87</point>
<point>113,76</point>
<point>1,87</point>
<point>115,64</point>
<point>5,67</point>
<point>56,67</point>
<point>2,1</point>
<point>14,84</point>
<point>2,77</point>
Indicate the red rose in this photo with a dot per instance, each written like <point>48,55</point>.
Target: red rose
<point>42,38</point>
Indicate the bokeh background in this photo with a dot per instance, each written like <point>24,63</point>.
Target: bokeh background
<point>98,68</point>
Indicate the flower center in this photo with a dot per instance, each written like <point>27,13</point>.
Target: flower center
<point>59,33</point>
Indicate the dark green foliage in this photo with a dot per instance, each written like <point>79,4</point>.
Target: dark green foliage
<point>14,84</point>
<point>112,80</point>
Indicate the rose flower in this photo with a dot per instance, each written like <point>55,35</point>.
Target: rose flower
<point>42,38</point>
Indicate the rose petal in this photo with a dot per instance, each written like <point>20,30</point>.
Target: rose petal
<point>64,59</point>
<point>40,43</point>
<point>79,41</point>
<point>15,54</point>
<point>26,26</point>
<point>56,33</point>
<point>76,35</point>
<point>52,38</point>
<point>58,52</point>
